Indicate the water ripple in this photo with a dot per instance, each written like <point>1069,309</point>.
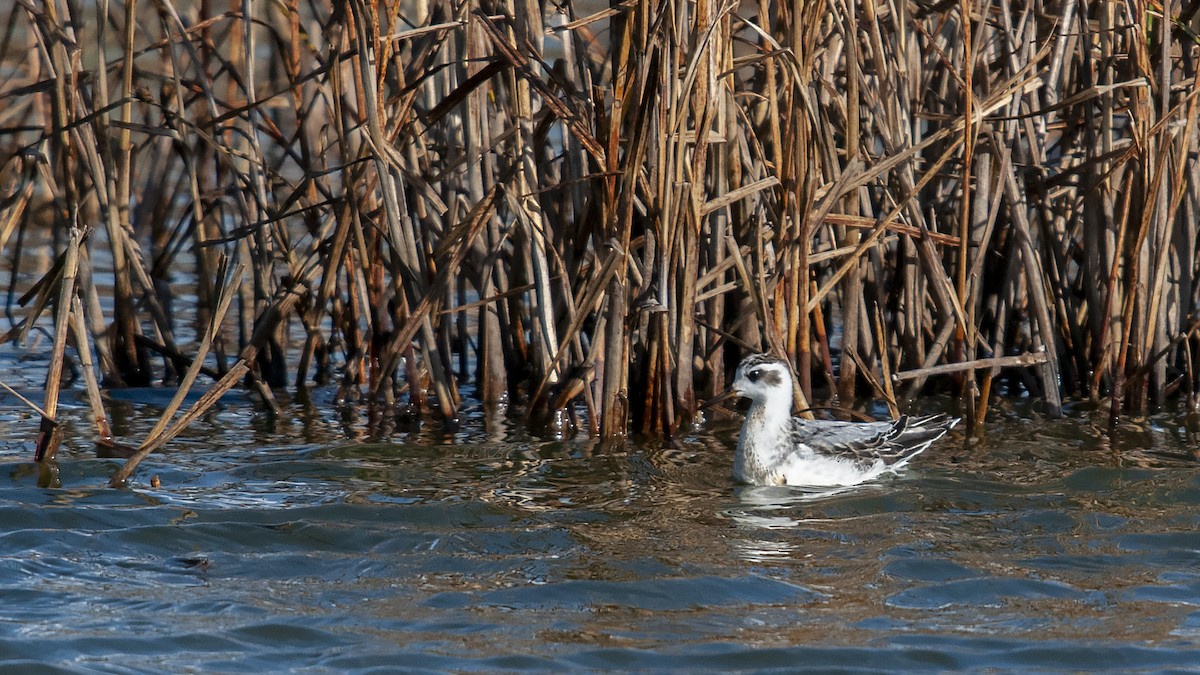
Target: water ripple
<point>488,551</point>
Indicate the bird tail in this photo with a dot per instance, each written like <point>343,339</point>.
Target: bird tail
<point>912,435</point>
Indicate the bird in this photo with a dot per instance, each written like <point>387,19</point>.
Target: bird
<point>777,448</point>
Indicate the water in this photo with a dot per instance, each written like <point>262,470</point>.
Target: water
<point>322,542</point>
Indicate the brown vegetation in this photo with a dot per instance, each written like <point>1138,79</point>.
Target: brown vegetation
<point>599,213</point>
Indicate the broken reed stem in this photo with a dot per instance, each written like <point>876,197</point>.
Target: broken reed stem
<point>1022,360</point>
<point>276,312</point>
<point>21,397</point>
<point>50,436</point>
<point>604,217</point>
<point>83,347</point>
<point>224,298</point>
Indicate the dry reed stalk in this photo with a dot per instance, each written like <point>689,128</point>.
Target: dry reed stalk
<point>402,238</point>
<point>524,28</point>
<point>50,436</point>
<point>224,298</point>
<point>964,335</point>
<point>79,333</point>
<point>279,309</point>
<point>852,289</point>
<point>491,373</point>
<point>568,220</point>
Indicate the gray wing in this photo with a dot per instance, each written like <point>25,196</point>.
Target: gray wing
<point>867,442</point>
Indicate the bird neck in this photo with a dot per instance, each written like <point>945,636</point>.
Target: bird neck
<point>771,413</point>
<point>764,440</point>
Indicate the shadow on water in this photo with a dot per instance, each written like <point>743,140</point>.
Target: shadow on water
<point>301,542</point>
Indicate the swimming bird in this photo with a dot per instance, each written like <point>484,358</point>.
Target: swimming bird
<point>776,448</point>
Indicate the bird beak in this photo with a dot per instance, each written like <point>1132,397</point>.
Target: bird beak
<point>719,398</point>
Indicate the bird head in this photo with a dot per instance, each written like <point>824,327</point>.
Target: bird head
<point>763,379</point>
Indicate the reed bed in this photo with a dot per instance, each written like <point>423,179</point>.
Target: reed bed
<point>593,211</point>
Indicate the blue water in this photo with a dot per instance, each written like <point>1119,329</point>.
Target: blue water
<point>319,542</point>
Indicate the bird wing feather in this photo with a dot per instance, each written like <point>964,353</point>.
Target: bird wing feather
<point>867,443</point>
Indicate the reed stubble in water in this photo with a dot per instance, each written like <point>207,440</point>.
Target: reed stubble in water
<point>597,210</point>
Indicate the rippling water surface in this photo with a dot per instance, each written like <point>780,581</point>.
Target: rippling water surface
<point>312,543</point>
